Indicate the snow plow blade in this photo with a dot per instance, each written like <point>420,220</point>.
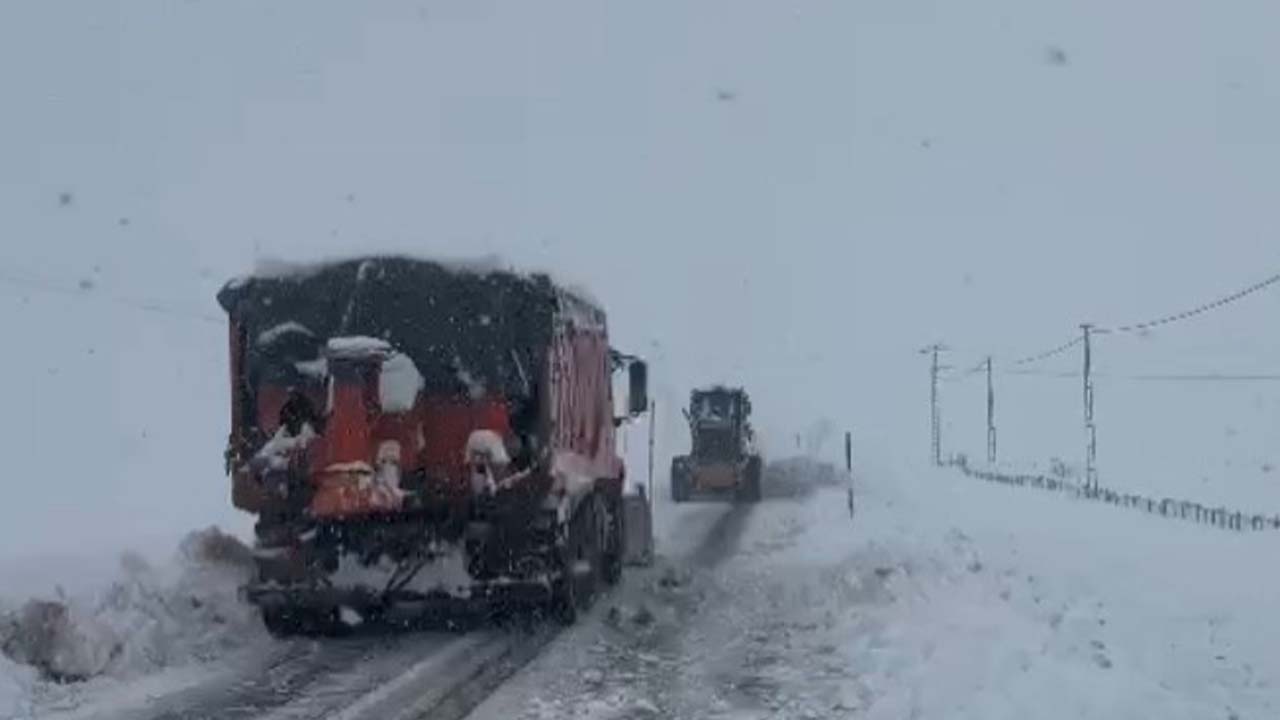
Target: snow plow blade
<point>637,526</point>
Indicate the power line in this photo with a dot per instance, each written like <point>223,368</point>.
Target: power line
<point>1204,377</point>
<point>1200,310</point>
<point>1138,327</point>
<point>1049,353</point>
<point>1088,376</point>
<point>1153,377</point>
<point>1028,360</point>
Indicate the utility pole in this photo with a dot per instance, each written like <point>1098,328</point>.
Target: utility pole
<point>935,420</point>
<point>1090,431</point>
<point>991,416</point>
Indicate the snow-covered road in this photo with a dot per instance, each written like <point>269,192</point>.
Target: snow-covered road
<point>418,675</point>
<point>945,598</point>
<point>375,673</point>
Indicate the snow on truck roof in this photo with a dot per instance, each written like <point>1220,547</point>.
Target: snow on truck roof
<point>462,324</point>
<point>277,269</point>
<point>719,390</point>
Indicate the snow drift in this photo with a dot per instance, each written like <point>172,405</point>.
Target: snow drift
<point>146,620</point>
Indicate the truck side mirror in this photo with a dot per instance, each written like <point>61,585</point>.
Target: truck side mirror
<point>638,387</point>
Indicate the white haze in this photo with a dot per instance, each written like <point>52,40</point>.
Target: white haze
<point>794,196</point>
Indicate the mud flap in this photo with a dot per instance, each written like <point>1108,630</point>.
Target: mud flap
<point>637,529</point>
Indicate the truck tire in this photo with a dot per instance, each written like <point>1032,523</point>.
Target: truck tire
<point>750,490</point>
<point>581,561</point>
<point>615,536</point>
<point>280,622</point>
<point>679,479</point>
<point>288,621</point>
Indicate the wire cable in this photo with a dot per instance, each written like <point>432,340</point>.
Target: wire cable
<point>1138,327</point>
<point>1048,353</point>
<point>1154,377</point>
<point>1200,310</point>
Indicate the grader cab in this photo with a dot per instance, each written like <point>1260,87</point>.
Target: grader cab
<point>724,462</point>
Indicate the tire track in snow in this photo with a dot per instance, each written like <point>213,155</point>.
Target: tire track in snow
<point>407,676</point>
<point>307,679</point>
<point>721,540</point>
<point>700,634</point>
<point>641,636</point>
<point>455,701</point>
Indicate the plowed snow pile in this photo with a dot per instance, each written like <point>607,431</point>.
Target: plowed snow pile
<point>946,598</point>
<point>58,651</point>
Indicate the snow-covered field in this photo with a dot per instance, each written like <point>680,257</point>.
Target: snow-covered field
<point>1159,434</point>
<point>1190,410</point>
<point>945,598</point>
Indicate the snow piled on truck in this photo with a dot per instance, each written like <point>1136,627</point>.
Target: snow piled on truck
<point>277,268</point>
<point>62,651</point>
<point>357,346</point>
<point>272,334</point>
<point>399,384</point>
<point>276,453</point>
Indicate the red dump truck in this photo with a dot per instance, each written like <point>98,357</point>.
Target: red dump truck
<point>415,435</point>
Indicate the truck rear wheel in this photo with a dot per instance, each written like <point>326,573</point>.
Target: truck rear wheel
<point>280,622</point>
<point>289,620</point>
<point>582,561</point>
<point>750,490</point>
<point>615,540</point>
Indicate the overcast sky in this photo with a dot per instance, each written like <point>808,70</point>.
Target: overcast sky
<point>794,196</point>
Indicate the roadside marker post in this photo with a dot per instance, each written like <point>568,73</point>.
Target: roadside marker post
<point>848,467</point>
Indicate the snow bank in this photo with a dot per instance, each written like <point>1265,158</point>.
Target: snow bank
<point>147,620</point>
<point>975,600</point>
<point>16,689</point>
